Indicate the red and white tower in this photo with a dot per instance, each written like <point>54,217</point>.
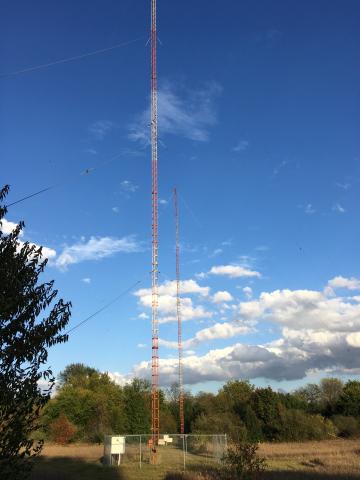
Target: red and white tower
<point>155,420</point>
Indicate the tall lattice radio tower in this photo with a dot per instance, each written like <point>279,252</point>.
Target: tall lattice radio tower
<point>155,420</point>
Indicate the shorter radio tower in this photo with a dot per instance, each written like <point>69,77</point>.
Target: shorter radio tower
<point>178,312</point>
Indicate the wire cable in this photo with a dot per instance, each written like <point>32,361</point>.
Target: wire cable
<point>107,305</point>
<point>83,173</point>
<point>66,60</point>
<point>29,196</point>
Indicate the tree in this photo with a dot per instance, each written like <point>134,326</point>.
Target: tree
<point>90,400</point>
<point>349,401</point>
<point>137,406</point>
<point>62,430</point>
<point>311,395</point>
<point>266,405</point>
<point>331,390</point>
<point>222,422</point>
<point>76,374</point>
<point>24,341</point>
<point>235,395</point>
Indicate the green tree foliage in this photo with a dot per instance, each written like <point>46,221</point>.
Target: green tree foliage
<point>90,400</point>
<point>95,405</point>
<point>346,426</point>
<point>265,403</point>
<point>25,336</point>
<point>235,395</point>
<point>311,395</point>
<point>331,390</point>
<point>218,423</point>
<point>349,401</point>
<point>137,398</point>
<point>76,374</point>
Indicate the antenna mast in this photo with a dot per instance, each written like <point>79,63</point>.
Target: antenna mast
<point>155,420</point>
<point>178,312</point>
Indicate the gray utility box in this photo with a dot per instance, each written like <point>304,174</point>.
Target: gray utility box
<point>114,447</point>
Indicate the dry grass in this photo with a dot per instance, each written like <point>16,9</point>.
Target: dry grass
<point>330,460</point>
<point>338,459</point>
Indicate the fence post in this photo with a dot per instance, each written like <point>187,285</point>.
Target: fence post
<point>226,443</point>
<point>140,451</point>
<point>184,451</point>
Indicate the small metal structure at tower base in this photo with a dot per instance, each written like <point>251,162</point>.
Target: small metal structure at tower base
<point>155,420</point>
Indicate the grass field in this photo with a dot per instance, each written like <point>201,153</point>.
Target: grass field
<point>327,460</point>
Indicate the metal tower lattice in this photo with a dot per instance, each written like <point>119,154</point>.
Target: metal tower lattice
<point>155,420</point>
<point>178,311</point>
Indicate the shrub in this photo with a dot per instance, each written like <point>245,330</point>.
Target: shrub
<point>298,425</point>
<point>346,426</point>
<point>220,423</point>
<point>242,462</point>
<point>62,430</point>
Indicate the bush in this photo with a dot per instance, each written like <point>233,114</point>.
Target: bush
<point>346,426</point>
<point>298,426</point>
<point>242,462</point>
<point>62,430</point>
<point>220,423</point>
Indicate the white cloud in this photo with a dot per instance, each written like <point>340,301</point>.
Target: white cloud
<point>128,187</point>
<point>338,208</point>
<point>342,282</point>
<point>216,252</point>
<point>86,280</point>
<point>222,296</point>
<point>95,248</point>
<point>162,201</point>
<point>46,251</point>
<point>141,345</point>
<point>238,361</point>
<point>92,151</point>
<point>248,292</point>
<point>101,128</point>
<point>188,114</point>
<point>167,308</point>
<point>218,331</point>
<point>241,146</point>
<point>303,309</point>
<point>115,209</point>
<point>353,339</point>
<point>262,248</point>
<point>119,378</point>
<point>7,227</point>
<point>143,316</point>
<point>309,209</point>
<point>169,288</point>
<point>316,333</point>
<point>279,167</point>
<point>167,300</point>
<point>233,271</point>
<point>343,186</point>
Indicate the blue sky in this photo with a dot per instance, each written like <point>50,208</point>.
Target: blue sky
<point>259,131</point>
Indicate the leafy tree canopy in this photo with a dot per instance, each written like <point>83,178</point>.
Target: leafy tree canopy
<point>30,323</point>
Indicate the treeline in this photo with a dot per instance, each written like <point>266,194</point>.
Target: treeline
<point>88,405</point>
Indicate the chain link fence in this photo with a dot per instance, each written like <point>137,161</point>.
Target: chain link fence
<point>174,453</point>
